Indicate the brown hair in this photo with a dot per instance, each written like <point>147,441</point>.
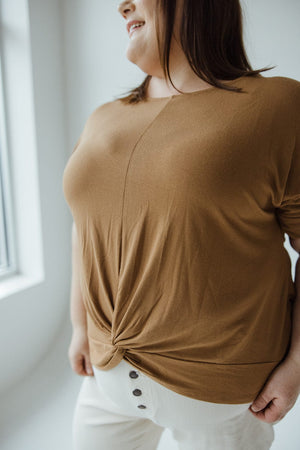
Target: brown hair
<point>203,23</point>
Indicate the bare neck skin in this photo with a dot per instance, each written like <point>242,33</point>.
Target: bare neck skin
<point>142,50</point>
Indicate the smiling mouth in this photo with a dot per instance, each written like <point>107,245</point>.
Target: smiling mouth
<point>136,29</point>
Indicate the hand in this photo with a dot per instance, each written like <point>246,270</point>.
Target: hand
<point>79,354</point>
<point>280,392</point>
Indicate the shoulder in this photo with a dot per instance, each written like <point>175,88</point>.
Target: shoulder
<point>284,82</point>
<point>104,108</point>
<point>277,97</point>
<point>102,113</point>
<point>279,87</point>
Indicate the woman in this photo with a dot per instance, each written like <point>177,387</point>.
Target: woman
<point>182,304</point>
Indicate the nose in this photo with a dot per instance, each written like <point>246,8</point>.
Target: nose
<point>125,6</point>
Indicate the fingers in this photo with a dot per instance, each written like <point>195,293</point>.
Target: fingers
<point>261,402</point>
<point>270,414</point>
<point>88,366</point>
<point>81,364</point>
<point>77,364</point>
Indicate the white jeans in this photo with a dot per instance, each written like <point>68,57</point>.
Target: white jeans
<point>107,416</point>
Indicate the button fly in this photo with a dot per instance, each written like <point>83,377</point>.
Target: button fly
<point>137,392</point>
<point>133,374</point>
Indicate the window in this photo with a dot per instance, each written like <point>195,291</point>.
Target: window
<point>6,242</point>
<point>21,238</point>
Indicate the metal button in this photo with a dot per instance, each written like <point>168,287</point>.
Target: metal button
<point>142,406</point>
<point>133,374</point>
<point>137,392</point>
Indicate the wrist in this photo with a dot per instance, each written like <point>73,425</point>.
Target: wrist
<point>293,359</point>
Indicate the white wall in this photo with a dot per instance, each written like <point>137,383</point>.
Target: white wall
<point>272,35</point>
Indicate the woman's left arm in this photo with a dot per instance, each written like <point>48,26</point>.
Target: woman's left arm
<point>282,388</point>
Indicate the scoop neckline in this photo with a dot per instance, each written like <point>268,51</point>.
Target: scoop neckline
<point>187,94</point>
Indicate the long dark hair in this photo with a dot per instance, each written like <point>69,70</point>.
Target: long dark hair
<point>211,36</point>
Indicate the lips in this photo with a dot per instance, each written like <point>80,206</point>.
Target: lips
<point>132,22</point>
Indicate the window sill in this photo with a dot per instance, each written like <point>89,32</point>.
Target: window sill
<point>17,283</point>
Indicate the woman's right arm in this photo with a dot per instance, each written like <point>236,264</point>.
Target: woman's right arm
<point>78,352</point>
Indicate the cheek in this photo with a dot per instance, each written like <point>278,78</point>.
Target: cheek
<point>147,6</point>
<point>145,38</point>
<point>150,37</point>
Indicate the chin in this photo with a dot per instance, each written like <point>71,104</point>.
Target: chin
<point>145,67</point>
<point>131,54</point>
